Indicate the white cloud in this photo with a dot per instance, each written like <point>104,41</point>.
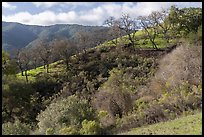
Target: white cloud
<point>54,18</point>
<point>43,18</point>
<point>45,4</point>
<point>143,8</point>
<point>62,4</point>
<point>8,6</point>
<point>94,16</point>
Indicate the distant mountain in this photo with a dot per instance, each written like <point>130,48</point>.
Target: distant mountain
<point>17,36</point>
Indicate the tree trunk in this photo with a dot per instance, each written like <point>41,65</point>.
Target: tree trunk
<point>115,42</point>
<point>21,69</point>
<point>26,75</point>
<point>47,68</point>
<point>166,36</point>
<point>153,44</point>
<point>44,64</point>
<point>67,64</point>
<point>131,40</point>
<point>35,64</point>
<point>22,73</point>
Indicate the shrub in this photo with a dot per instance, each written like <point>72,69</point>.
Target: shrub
<point>182,64</point>
<point>49,131</point>
<point>113,99</point>
<point>175,88</point>
<point>199,32</point>
<point>16,128</point>
<point>65,112</point>
<point>46,85</point>
<point>68,131</point>
<point>90,128</point>
<point>195,37</point>
<point>16,100</point>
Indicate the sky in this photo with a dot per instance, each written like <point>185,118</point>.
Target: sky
<point>83,13</point>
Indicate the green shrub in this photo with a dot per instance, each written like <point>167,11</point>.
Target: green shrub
<point>195,37</point>
<point>199,32</point>
<point>68,131</point>
<point>90,128</point>
<point>16,99</point>
<point>16,128</point>
<point>65,112</point>
<point>102,114</point>
<point>49,131</point>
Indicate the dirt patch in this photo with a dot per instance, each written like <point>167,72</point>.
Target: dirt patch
<point>157,53</point>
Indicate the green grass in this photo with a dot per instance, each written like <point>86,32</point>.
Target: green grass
<point>186,125</point>
<point>160,41</point>
<point>53,68</point>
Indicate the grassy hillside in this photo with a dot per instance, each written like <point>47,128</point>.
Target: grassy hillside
<point>186,125</point>
<point>109,89</point>
<point>54,68</point>
<point>117,81</point>
<point>141,42</point>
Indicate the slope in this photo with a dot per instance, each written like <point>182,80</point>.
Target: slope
<point>108,47</point>
<point>186,125</point>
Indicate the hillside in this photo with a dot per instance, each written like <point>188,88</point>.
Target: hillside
<point>186,125</point>
<point>125,84</point>
<point>144,50</point>
<point>31,34</point>
<point>89,76</point>
<point>107,73</point>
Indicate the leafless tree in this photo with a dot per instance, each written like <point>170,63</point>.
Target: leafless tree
<point>44,52</point>
<point>110,21</point>
<point>22,58</point>
<point>18,59</point>
<point>130,26</point>
<point>125,25</point>
<point>84,40</point>
<point>34,56</point>
<point>149,25</point>
<point>161,19</point>
<point>114,34</point>
<point>65,49</point>
<point>115,31</point>
<point>98,36</point>
<point>26,59</point>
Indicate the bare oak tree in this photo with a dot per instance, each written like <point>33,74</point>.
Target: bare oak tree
<point>84,40</point>
<point>64,48</point>
<point>124,25</point>
<point>26,59</point>
<point>130,26</point>
<point>18,59</point>
<point>149,25</point>
<point>163,23</point>
<point>44,52</point>
<point>22,58</point>
<point>115,32</point>
<point>34,57</point>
